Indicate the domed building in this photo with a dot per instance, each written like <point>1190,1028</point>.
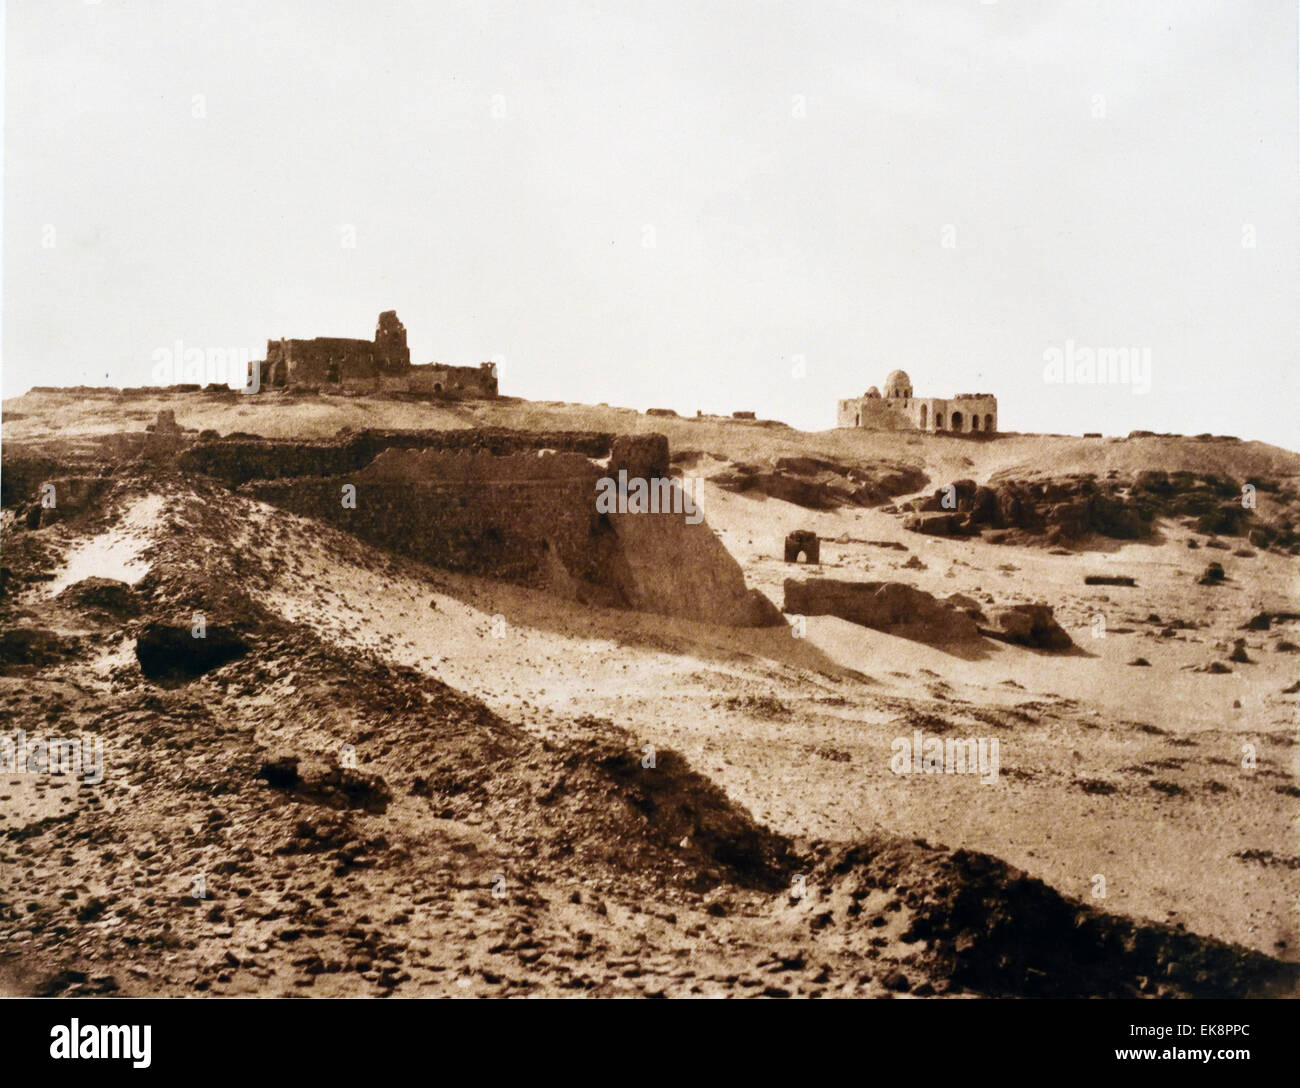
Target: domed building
<point>899,409</point>
<point>898,384</point>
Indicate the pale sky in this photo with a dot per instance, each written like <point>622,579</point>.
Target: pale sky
<point>663,204</point>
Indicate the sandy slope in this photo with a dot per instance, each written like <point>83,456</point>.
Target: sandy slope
<point>800,731</point>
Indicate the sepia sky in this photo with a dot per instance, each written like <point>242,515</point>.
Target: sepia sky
<point>721,206</point>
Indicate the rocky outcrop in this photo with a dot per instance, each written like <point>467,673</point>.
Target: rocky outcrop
<point>1071,508</point>
<point>1060,510</point>
<point>820,484</point>
<point>893,607</point>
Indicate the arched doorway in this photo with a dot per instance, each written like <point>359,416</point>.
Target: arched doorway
<point>924,412</point>
<point>956,421</point>
<point>938,421</point>
<point>974,422</point>
<point>988,423</point>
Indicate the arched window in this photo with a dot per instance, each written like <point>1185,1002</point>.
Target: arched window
<point>956,421</point>
<point>924,411</point>
<point>938,421</point>
<point>974,422</point>
<point>988,423</point>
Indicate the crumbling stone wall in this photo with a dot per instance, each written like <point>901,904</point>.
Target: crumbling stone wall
<point>471,510</point>
<point>531,517</point>
<point>453,381</point>
<point>499,529</point>
<point>644,456</point>
<point>240,460</point>
<point>333,361</point>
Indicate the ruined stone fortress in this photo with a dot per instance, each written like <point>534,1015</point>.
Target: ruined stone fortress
<point>381,365</point>
<point>898,410</point>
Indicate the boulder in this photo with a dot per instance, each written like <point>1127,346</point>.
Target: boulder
<point>1262,621</point>
<point>936,524</point>
<point>1213,575</point>
<point>966,604</point>
<point>1030,625</point>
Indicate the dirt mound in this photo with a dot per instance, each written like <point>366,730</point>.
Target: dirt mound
<point>105,597</point>
<point>675,568</point>
<point>642,810</point>
<point>991,928</point>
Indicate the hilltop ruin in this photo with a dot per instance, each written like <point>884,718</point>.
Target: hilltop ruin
<point>379,365</point>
